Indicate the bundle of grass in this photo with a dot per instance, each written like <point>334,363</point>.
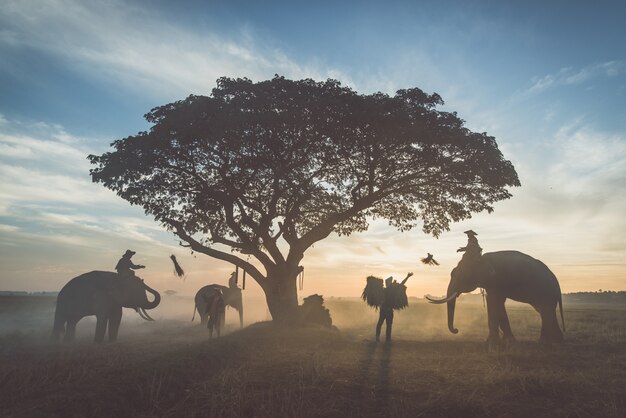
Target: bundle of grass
<point>312,311</point>
<point>396,296</point>
<point>374,292</point>
<point>178,270</point>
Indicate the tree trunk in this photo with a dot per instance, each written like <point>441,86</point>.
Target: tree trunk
<point>282,298</point>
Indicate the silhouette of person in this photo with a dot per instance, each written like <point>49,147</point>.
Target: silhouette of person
<point>232,280</point>
<point>125,266</point>
<point>386,308</point>
<point>472,249</point>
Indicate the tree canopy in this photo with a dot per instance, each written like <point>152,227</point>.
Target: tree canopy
<point>260,167</point>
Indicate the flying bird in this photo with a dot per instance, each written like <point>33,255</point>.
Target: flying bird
<point>430,260</point>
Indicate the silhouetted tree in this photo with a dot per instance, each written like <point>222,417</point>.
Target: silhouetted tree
<point>268,169</point>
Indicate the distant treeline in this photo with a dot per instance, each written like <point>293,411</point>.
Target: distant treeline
<point>24,293</point>
<point>606,296</point>
<point>601,296</point>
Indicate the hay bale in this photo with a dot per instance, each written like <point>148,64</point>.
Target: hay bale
<point>312,311</point>
<point>396,296</point>
<point>374,292</point>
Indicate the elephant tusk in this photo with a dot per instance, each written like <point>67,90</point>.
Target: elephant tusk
<point>140,314</point>
<point>444,300</point>
<point>147,317</point>
<point>143,315</point>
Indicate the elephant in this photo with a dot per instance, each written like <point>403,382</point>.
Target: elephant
<point>103,294</point>
<point>508,275</point>
<point>232,297</point>
<point>215,310</point>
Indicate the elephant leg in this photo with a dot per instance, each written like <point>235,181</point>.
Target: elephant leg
<point>101,327</point>
<point>202,311</point>
<point>495,307</point>
<point>550,330</point>
<point>505,326</point>
<point>114,323</point>
<point>70,330</point>
<point>210,325</point>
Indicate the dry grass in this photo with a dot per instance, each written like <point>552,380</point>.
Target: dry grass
<point>171,369</point>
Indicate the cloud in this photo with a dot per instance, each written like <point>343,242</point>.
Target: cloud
<point>140,50</point>
<point>571,76</point>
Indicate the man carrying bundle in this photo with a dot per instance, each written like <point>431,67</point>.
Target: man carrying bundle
<point>393,296</point>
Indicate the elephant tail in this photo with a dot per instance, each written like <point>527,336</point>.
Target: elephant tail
<point>561,309</point>
<point>59,326</point>
<point>194,312</point>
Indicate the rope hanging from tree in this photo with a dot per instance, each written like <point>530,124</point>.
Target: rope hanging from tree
<point>301,279</point>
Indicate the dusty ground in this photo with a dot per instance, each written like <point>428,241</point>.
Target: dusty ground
<point>170,368</point>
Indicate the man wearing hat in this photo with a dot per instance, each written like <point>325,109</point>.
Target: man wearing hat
<point>472,249</point>
<point>125,265</point>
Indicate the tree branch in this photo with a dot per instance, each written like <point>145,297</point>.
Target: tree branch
<point>211,252</point>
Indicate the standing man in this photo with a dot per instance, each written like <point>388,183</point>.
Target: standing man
<point>125,266</point>
<point>394,299</point>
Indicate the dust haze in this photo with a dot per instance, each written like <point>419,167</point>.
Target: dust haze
<point>30,318</point>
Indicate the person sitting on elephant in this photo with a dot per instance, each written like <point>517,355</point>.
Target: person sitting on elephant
<point>390,303</point>
<point>472,249</point>
<point>232,280</point>
<point>125,266</point>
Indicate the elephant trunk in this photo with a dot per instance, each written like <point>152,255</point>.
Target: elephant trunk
<point>451,306</point>
<point>155,302</point>
<point>241,317</point>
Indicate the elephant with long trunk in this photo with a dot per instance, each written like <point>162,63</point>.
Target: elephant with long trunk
<point>103,294</point>
<point>508,275</point>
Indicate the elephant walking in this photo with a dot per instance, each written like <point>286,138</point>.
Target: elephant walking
<point>232,297</point>
<point>103,294</point>
<point>215,310</point>
<point>508,275</point>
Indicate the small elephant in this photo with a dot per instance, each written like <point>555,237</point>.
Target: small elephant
<point>508,275</point>
<point>215,310</point>
<point>103,294</point>
<point>232,297</point>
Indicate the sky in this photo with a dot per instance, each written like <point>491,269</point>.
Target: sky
<point>546,78</point>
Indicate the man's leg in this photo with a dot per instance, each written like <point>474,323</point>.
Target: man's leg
<point>389,324</point>
<point>381,319</point>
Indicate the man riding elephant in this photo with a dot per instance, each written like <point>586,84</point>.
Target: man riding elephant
<point>125,266</point>
<point>472,250</point>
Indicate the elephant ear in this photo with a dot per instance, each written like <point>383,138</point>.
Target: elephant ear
<point>485,269</point>
<point>117,294</point>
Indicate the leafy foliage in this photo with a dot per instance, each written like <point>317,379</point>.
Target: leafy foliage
<point>255,162</point>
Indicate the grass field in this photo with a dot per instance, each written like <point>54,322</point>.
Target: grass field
<point>169,368</point>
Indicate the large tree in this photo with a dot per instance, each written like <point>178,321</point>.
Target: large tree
<point>268,169</point>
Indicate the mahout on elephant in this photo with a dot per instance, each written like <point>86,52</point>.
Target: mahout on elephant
<point>103,294</point>
<point>507,275</point>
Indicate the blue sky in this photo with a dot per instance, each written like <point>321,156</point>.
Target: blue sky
<point>547,80</point>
